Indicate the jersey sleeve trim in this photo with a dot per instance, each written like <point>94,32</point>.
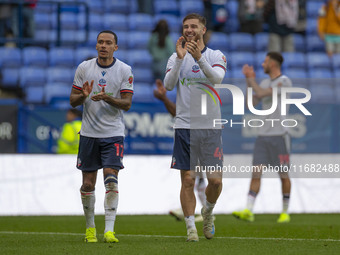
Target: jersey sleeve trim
<point>219,66</point>
<point>126,91</point>
<point>76,87</point>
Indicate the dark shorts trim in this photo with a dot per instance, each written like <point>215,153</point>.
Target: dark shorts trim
<point>97,153</point>
<point>197,147</point>
<point>271,150</point>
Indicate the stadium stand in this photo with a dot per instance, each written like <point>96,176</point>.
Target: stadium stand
<point>133,30</point>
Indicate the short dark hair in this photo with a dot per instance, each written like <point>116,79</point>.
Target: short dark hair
<point>275,56</point>
<point>109,32</point>
<point>200,18</point>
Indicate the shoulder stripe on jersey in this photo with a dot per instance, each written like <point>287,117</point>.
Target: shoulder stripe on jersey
<point>219,66</point>
<point>76,87</point>
<point>126,91</point>
<point>168,70</point>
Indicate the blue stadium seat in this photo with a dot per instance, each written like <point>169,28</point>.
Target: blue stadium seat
<point>299,43</point>
<point>10,57</point>
<point>10,77</point>
<point>35,56</point>
<point>143,75</point>
<point>141,22</point>
<point>122,7</point>
<point>96,6</point>
<point>293,73</point>
<point>336,62</point>
<point>143,92</point>
<point>34,95</point>
<point>261,41</point>
<point>32,76</point>
<point>45,35</point>
<point>123,38</point>
<point>69,37</point>
<point>297,76</point>
<point>92,40</point>
<point>320,73</point>
<point>232,26</point>
<point>122,55</point>
<point>42,7</point>
<point>116,22</point>
<point>191,6</point>
<point>238,59</point>
<point>138,39</point>
<point>318,60</point>
<point>174,36</point>
<point>60,74</point>
<point>81,54</point>
<point>56,89</point>
<point>96,22</point>
<point>311,26</point>
<point>232,7</point>
<point>166,7</point>
<point>61,56</point>
<point>314,43</point>
<point>219,41</point>
<point>312,8</point>
<point>139,58</point>
<point>241,42</point>
<point>69,20</point>
<point>42,21</point>
<point>294,60</point>
<point>174,22</point>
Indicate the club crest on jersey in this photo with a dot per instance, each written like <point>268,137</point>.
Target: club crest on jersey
<point>103,73</point>
<point>102,83</point>
<point>195,68</point>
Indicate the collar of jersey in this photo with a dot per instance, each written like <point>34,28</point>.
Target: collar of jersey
<point>101,66</point>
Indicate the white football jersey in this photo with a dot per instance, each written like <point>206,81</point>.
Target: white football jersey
<point>101,120</point>
<point>274,128</point>
<point>191,85</point>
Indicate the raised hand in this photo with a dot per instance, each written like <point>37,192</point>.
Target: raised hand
<point>248,71</point>
<point>87,88</point>
<point>194,50</point>
<point>160,92</point>
<point>179,49</point>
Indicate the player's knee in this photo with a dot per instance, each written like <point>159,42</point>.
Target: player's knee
<point>87,186</point>
<point>188,182</point>
<point>216,183</point>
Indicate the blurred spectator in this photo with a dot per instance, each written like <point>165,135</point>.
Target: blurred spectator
<point>5,15</point>
<point>250,14</point>
<point>145,6</point>
<point>302,20</point>
<point>282,17</point>
<point>216,14</point>
<point>27,15</point>
<point>329,26</point>
<point>69,138</point>
<point>160,47</point>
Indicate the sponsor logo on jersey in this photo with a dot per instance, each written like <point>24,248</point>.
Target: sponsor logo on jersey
<point>102,83</point>
<point>195,68</point>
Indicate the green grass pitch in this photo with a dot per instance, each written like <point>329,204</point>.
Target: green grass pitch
<point>162,234</point>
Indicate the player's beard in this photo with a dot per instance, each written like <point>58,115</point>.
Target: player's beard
<point>195,38</point>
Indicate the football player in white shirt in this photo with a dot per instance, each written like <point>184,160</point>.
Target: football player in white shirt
<point>272,145</point>
<point>194,68</point>
<point>104,86</point>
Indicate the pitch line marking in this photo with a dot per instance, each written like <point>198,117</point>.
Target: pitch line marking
<point>165,236</point>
